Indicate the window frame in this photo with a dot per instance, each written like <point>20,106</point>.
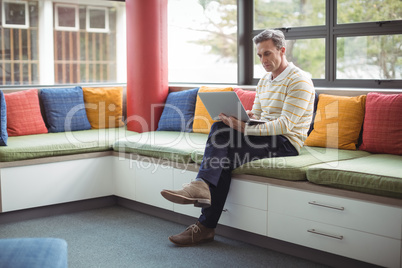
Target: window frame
<point>330,31</point>
<point>14,26</point>
<point>57,27</point>
<point>88,20</point>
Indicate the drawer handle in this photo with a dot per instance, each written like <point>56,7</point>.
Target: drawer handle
<point>339,237</point>
<point>326,206</point>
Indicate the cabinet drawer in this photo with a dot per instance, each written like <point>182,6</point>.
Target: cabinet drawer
<point>247,193</point>
<point>54,183</point>
<point>124,178</point>
<point>150,180</point>
<point>343,212</point>
<point>358,245</point>
<point>244,218</point>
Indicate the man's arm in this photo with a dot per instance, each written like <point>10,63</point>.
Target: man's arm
<point>233,122</point>
<point>295,105</point>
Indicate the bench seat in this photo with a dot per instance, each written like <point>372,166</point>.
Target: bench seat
<point>294,168</point>
<point>168,145</point>
<point>62,143</point>
<point>378,174</point>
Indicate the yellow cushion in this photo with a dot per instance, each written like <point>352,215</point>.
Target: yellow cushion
<point>202,120</point>
<point>104,106</point>
<point>338,122</point>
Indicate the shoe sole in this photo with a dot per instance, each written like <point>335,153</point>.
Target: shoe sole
<point>193,244</point>
<point>179,199</point>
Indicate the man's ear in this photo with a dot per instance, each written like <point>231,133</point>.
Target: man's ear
<point>283,50</point>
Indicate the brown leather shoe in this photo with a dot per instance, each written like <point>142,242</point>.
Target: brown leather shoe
<point>196,192</point>
<point>193,235</point>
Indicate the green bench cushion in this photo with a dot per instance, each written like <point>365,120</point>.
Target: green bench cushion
<point>294,168</point>
<point>168,145</point>
<point>379,174</point>
<point>62,143</point>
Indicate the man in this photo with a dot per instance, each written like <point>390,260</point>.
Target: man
<point>284,99</point>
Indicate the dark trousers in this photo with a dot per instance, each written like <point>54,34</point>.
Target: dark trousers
<point>227,149</point>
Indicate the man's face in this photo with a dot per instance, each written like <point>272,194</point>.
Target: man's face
<point>270,56</point>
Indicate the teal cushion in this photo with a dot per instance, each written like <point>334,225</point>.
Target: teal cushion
<point>3,120</point>
<point>61,143</point>
<point>167,145</point>
<point>178,113</point>
<point>379,174</point>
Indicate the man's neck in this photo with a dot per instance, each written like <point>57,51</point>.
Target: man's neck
<point>283,66</point>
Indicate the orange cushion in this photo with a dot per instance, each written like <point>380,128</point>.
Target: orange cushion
<point>338,122</point>
<point>104,106</point>
<point>202,120</point>
<point>23,113</point>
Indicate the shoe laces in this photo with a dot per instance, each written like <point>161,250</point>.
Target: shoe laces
<point>187,183</point>
<point>194,229</point>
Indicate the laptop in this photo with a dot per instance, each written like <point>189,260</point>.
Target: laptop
<point>226,102</point>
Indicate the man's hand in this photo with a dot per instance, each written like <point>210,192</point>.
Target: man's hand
<point>233,122</point>
<point>251,115</point>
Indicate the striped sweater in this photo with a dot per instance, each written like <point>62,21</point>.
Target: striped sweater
<point>286,103</point>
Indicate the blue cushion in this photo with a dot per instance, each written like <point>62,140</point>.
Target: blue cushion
<point>33,253</point>
<point>178,113</point>
<point>3,125</point>
<point>64,109</point>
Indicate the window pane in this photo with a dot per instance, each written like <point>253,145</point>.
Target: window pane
<point>288,13</point>
<point>202,41</point>
<point>66,16</point>
<point>15,13</point>
<point>369,57</point>
<point>97,18</point>
<point>307,54</point>
<point>353,11</point>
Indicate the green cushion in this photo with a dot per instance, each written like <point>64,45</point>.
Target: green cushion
<point>168,145</point>
<point>379,174</point>
<point>294,167</point>
<point>62,143</point>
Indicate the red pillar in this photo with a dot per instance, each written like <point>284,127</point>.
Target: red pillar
<point>147,64</point>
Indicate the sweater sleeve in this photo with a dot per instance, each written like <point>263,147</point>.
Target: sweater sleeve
<point>296,104</point>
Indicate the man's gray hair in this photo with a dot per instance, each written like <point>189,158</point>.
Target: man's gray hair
<point>275,35</point>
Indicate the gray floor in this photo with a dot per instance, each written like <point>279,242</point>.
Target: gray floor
<point>119,237</point>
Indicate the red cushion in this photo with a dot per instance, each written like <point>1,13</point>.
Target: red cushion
<point>23,113</point>
<point>246,97</point>
<point>382,128</point>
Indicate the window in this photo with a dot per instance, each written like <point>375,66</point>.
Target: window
<point>288,13</point>
<point>15,14</point>
<point>376,57</point>
<point>202,41</point>
<point>97,19</point>
<point>66,17</point>
<point>307,54</point>
<point>48,43</point>
<point>343,43</point>
<point>349,11</point>
<point>86,54</point>
<point>19,62</point>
